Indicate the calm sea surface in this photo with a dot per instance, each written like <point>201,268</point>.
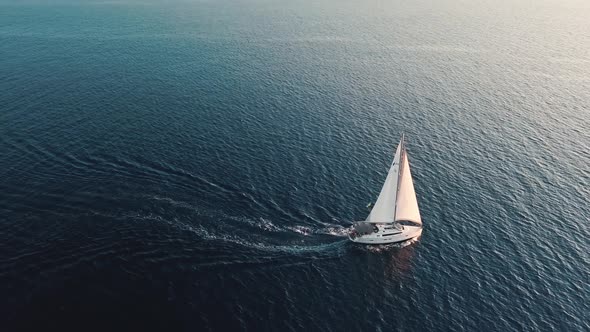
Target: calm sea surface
<point>193,165</point>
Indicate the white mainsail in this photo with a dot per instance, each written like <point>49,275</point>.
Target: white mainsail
<point>384,208</point>
<point>407,204</point>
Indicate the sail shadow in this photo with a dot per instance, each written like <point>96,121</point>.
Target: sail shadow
<point>395,260</point>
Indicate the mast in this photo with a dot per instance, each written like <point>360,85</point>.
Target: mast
<point>399,171</point>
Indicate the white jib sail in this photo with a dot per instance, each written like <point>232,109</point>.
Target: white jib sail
<point>407,204</point>
<point>384,207</point>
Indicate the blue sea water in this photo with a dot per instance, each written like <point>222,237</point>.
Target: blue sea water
<point>194,165</point>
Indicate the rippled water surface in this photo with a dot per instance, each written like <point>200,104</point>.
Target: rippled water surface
<point>193,165</point>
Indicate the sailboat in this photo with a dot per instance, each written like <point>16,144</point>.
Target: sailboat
<point>395,216</point>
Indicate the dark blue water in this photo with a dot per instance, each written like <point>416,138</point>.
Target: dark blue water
<point>193,165</point>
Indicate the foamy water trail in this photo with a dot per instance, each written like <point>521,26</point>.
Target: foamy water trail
<point>263,223</point>
<point>263,245</point>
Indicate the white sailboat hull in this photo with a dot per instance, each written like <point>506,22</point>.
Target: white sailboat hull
<point>384,236</point>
